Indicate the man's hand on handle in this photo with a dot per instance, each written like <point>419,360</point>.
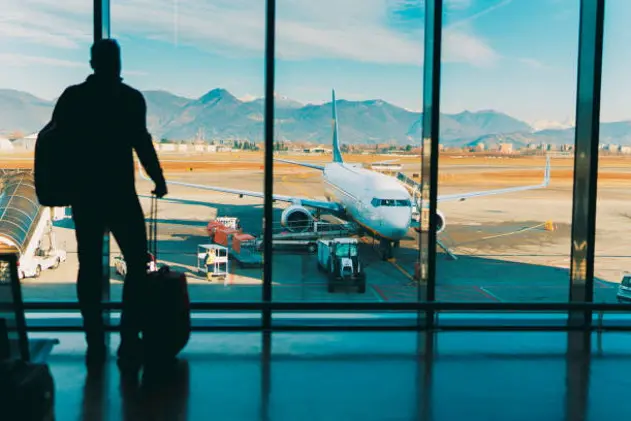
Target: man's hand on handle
<point>161,189</point>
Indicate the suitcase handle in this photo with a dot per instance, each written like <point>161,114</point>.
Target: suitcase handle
<point>153,228</point>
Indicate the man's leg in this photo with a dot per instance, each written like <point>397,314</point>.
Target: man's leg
<point>89,230</point>
<point>128,227</point>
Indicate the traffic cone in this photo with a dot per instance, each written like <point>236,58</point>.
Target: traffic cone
<point>549,226</point>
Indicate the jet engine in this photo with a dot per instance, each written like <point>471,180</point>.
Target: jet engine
<point>297,218</point>
<point>441,222</point>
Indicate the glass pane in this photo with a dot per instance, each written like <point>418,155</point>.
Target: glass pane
<point>44,50</point>
<point>349,93</point>
<point>612,280</point>
<point>508,103</point>
<point>200,68</point>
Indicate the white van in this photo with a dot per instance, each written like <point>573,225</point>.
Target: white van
<point>32,267</point>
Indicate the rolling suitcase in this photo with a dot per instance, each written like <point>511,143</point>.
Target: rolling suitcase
<point>167,321</point>
<point>27,391</point>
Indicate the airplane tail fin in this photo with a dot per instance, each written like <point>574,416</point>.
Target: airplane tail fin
<point>337,154</point>
<point>546,174</point>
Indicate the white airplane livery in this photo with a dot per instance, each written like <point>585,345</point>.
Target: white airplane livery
<point>378,203</point>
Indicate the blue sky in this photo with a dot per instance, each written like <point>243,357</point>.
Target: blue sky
<point>514,56</point>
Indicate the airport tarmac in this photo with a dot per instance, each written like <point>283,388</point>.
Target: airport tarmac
<point>504,252</point>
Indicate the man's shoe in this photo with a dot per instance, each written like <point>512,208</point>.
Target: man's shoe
<point>130,354</point>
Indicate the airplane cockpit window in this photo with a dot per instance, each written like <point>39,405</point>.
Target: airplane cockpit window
<point>390,202</point>
<point>404,203</point>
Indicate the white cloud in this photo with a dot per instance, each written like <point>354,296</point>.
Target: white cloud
<point>44,23</point>
<point>11,59</point>
<point>460,47</point>
<point>534,63</point>
<point>331,29</point>
<point>471,18</point>
<point>458,4</point>
<point>248,98</point>
<point>134,73</point>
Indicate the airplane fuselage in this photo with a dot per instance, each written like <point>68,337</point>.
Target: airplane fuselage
<point>377,202</point>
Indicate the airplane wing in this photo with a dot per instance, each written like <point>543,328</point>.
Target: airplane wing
<point>464,196</point>
<point>312,203</point>
<point>302,164</point>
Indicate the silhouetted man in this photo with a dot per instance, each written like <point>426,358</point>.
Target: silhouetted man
<point>104,120</point>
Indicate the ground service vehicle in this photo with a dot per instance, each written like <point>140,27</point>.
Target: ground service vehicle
<point>624,289</point>
<point>40,257</point>
<point>41,260</point>
<point>339,258</point>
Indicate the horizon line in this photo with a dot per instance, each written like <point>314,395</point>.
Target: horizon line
<point>529,122</point>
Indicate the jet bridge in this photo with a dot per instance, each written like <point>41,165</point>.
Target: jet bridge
<point>20,212</point>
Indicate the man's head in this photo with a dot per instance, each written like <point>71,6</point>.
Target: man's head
<point>105,58</point>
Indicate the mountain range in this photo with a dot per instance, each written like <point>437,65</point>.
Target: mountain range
<point>220,115</point>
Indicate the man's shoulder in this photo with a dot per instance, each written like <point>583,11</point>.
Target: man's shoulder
<point>132,92</point>
<point>73,89</point>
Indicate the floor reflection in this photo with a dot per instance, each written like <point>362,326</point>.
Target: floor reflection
<point>507,376</point>
<point>160,393</point>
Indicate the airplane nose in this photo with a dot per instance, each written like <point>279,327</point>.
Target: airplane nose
<point>399,224</point>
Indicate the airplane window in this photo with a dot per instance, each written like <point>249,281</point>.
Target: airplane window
<point>404,203</point>
<point>387,202</point>
<point>375,202</point>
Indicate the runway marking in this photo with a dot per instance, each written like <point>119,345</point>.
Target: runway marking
<point>403,271</point>
<point>489,294</point>
<point>381,296</point>
<point>500,235</point>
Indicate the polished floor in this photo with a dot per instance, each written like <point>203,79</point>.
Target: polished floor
<point>360,376</point>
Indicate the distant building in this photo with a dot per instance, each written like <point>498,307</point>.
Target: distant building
<point>318,149</point>
<point>167,147</point>
<point>5,144</point>
<point>625,150</point>
<point>506,148</point>
<point>480,147</point>
<point>26,143</point>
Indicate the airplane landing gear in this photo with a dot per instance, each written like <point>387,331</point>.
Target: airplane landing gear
<point>385,248</point>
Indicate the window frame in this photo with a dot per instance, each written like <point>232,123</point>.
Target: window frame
<point>580,307</point>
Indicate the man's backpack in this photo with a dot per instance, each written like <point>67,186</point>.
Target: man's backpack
<point>53,180</point>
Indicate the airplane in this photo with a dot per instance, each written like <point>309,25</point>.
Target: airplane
<point>379,204</point>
